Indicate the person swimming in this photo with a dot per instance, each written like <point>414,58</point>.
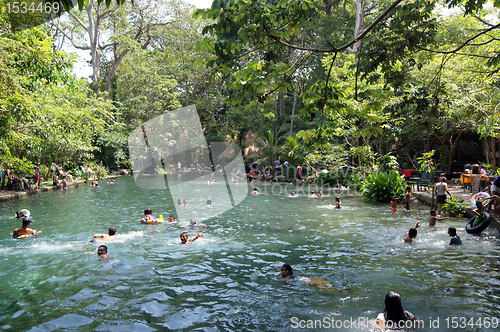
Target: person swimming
<point>394,317</point>
<point>289,276</point>
<point>186,240</point>
<point>209,204</point>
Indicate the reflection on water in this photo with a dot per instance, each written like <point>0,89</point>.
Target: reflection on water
<point>229,280</point>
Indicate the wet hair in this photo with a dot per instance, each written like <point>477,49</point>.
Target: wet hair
<point>26,222</point>
<point>192,222</point>
<point>337,199</point>
<point>452,231</point>
<point>209,201</point>
<point>147,211</point>
<point>111,231</point>
<point>288,268</point>
<point>179,201</point>
<point>103,246</point>
<point>412,232</point>
<point>393,308</point>
<point>171,216</point>
<point>183,233</point>
<point>255,189</point>
<point>432,212</point>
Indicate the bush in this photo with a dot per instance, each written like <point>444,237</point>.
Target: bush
<point>380,187</point>
<point>454,207</point>
<point>100,172</point>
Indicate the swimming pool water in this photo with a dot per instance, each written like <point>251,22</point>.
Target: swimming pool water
<point>229,280</point>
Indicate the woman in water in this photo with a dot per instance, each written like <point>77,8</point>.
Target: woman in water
<point>394,317</point>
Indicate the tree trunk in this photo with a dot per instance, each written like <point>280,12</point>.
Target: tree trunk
<point>358,28</point>
<point>294,103</point>
<point>453,143</point>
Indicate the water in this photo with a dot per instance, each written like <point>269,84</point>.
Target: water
<point>229,280</point>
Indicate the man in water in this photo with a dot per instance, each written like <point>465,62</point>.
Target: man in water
<point>412,233</point>
<point>106,237</point>
<point>186,240</point>
<point>23,231</point>
<point>103,252</point>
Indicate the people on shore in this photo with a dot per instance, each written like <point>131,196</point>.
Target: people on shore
<point>433,218</point>
<point>441,191</point>
<point>186,240</point>
<point>106,237</point>
<point>455,239</point>
<point>25,230</point>
<point>411,233</point>
<point>394,317</point>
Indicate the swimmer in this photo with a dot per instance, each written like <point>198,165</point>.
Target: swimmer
<point>209,204</point>
<point>186,203</point>
<point>24,230</point>
<point>186,240</point>
<point>338,203</point>
<point>394,316</point>
<point>412,233</point>
<point>171,219</point>
<point>433,218</point>
<point>313,195</point>
<point>179,202</point>
<point>287,273</point>
<point>103,252</point>
<point>194,223</point>
<point>255,191</point>
<point>106,237</point>
<point>292,194</point>
<point>148,216</point>
<point>24,213</point>
<point>455,240</point>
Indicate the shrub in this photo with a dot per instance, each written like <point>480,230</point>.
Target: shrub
<point>454,207</point>
<point>100,172</point>
<point>380,187</point>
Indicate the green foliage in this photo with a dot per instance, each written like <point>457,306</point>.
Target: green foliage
<point>454,207</point>
<point>100,172</point>
<point>388,164</point>
<point>380,187</point>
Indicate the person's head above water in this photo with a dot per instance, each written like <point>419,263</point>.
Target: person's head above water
<point>26,222</point>
<point>452,231</point>
<point>184,237</point>
<point>286,270</point>
<point>102,250</point>
<point>412,232</point>
<point>433,212</point>
<point>393,307</point>
<point>111,231</point>
<point>192,222</point>
<point>147,211</point>
<point>337,199</point>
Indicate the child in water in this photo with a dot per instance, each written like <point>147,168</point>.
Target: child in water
<point>394,317</point>
<point>148,215</point>
<point>394,204</point>
<point>433,218</point>
<point>412,233</point>
<point>455,240</point>
<point>408,199</point>
<point>209,204</point>
<point>338,203</point>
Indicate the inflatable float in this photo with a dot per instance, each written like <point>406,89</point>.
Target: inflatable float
<point>159,220</point>
<point>24,236</point>
<point>469,228</point>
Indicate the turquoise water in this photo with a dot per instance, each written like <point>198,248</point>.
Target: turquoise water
<point>229,280</point>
